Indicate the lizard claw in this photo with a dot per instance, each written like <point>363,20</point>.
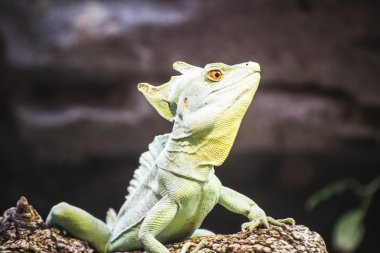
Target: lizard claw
<point>252,225</point>
<point>281,222</point>
<point>266,222</point>
<point>258,218</point>
<point>187,245</point>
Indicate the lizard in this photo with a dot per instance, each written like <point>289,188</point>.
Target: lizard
<point>175,186</point>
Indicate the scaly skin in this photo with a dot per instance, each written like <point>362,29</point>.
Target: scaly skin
<point>175,187</point>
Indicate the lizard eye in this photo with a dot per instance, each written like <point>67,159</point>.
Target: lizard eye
<point>214,75</point>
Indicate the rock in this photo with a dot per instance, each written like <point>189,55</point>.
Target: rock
<point>22,230</point>
<point>287,239</point>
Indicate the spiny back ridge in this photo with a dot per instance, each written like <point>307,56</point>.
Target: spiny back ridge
<point>147,162</point>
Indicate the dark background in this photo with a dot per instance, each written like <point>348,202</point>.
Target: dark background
<point>72,123</point>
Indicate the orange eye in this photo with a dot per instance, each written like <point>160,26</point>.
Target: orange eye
<point>215,75</point>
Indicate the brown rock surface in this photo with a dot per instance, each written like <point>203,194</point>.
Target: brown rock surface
<point>22,230</point>
<point>291,239</point>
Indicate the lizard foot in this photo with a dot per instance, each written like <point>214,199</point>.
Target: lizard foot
<point>187,245</point>
<point>258,218</point>
<point>281,222</point>
<point>265,222</point>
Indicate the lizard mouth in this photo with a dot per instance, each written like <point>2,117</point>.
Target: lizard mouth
<point>233,84</point>
<point>249,90</point>
<point>249,82</point>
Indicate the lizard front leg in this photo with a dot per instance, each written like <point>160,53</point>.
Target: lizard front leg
<point>238,203</point>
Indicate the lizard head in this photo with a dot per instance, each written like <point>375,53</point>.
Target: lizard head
<point>207,103</point>
<point>215,86</point>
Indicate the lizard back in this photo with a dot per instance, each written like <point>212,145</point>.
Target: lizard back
<point>142,190</point>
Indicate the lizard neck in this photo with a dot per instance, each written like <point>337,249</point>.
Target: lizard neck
<point>184,164</point>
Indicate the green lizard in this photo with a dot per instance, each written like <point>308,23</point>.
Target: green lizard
<point>175,187</point>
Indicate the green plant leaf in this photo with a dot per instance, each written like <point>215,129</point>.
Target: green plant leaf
<point>349,231</point>
<point>330,190</point>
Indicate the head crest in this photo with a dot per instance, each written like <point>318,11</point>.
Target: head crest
<point>158,98</point>
<point>183,67</point>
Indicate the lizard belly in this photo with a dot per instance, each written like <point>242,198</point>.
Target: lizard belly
<point>193,208</point>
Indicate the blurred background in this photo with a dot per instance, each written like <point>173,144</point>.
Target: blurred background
<point>72,123</point>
